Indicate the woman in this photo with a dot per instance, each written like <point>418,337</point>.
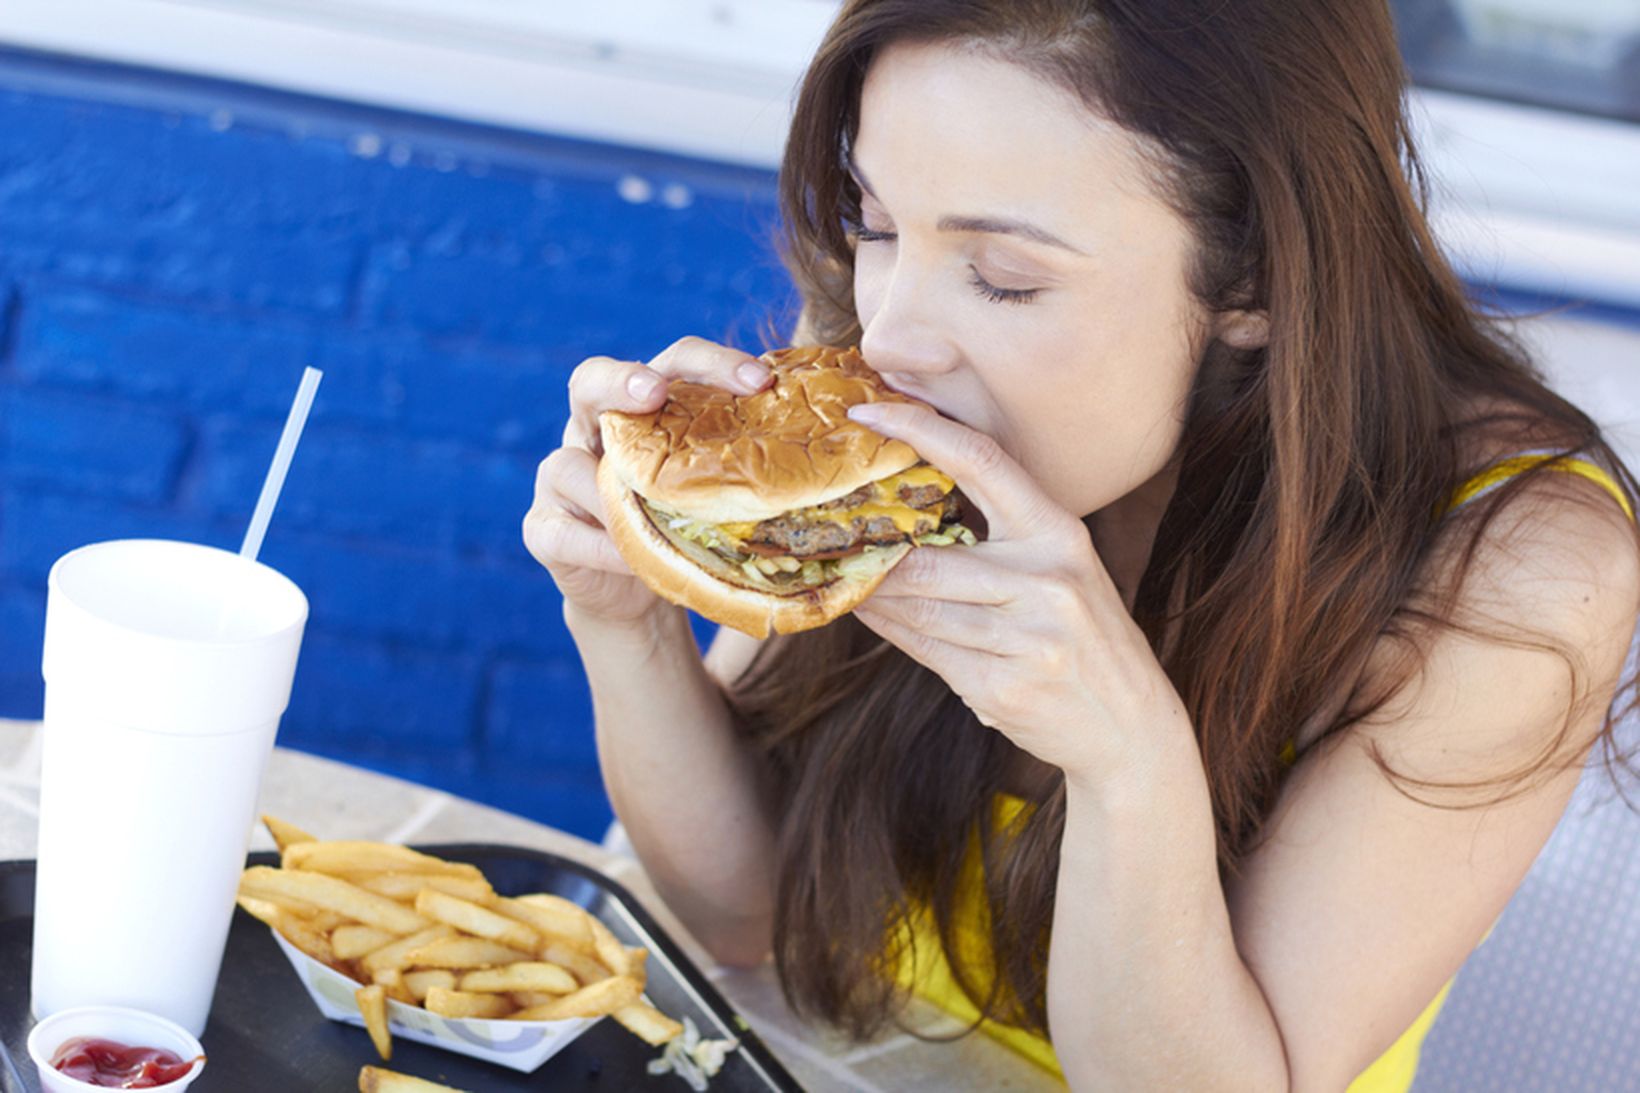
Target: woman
<point>1302,599</point>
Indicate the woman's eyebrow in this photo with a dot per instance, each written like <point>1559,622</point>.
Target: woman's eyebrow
<point>992,225</point>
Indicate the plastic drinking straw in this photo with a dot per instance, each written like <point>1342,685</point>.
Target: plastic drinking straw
<point>275,481</point>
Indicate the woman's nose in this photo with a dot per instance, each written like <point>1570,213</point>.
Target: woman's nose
<point>903,335</point>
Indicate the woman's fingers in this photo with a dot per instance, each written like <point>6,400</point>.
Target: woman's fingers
<point>700,361</point>
<point>557,539</point>
<point>565,523</point>
<point>1015,507</point>
<point>568,479</point>
<point>967,573</point>
<point>982,629</point>
<point>604,383</point>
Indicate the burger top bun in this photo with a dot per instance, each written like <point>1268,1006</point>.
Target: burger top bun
<point>721,458</point>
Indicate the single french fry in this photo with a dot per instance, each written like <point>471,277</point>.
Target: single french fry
<point>472,919</point>
<point>264,911</point>
<point>397,955</point>
<point>345,856</point>
<point>556,919</point>
<point>647,1023</point>
<point>374,1079</point>
<point>330,894</point>
<point>448,1003</point>
<point>294,928</point>
<point>353,941</point>
<point>327,921</point>
<point>295,906</point>
<point>406,886</point>
<point>372,1002</point>
<point>526,976</point>
<point>601,998</point>
<point>463,952</point>
<point>419,983</point>
<point>393,980</point>
<point>285,834</point>
<point>584,968</point>
<point>525,999</point>
<point>610,952</point>
<point>305,938</point>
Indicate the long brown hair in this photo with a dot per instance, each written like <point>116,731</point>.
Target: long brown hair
<point>1311,469</point>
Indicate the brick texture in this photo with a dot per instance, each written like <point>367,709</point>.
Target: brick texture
<point>165,272</point>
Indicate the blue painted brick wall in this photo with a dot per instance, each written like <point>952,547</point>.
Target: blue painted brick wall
<point>173,251</point>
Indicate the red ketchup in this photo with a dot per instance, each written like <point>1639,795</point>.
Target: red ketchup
<point>118,1066</point>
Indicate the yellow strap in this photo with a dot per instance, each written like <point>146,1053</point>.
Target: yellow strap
<point>1506,469</point>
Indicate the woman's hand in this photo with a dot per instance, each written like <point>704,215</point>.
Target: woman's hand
<point>1027,627</point>
<point>564,528</point>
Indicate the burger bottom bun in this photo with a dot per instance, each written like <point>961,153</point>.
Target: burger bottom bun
<point>692,576</point>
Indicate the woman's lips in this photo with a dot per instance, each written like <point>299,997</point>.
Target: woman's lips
<point>911,392</point>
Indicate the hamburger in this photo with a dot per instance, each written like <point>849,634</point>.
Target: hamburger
<point>771,511</point>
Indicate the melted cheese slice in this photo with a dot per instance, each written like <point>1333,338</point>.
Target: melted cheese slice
<point>884,501</point>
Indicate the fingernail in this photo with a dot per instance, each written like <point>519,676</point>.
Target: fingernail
<point>866,414</point>
<point>642,384</point>
<point>752,375</point>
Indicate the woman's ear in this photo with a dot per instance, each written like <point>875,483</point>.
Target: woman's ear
<point>1243,329</point>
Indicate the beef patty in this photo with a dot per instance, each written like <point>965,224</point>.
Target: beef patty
<point>798,538</point>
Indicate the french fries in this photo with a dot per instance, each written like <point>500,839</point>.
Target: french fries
<point>412,928</point>
<point>285,834</point>
<point>604,996</point>
<point>343,857</point>
<point>352,941</point>
<point>464,952</point>
<point>647,1023</point>
<point>419,983</point>
<point>406,886</point>
<point>584,968</point>
<point>374,1079</point>
<point>464,1004</point>
<point>372,1002</point>
<point>330,894</point>
<point>526,976</point>
<point>473,919</point>
<point>397,955</point>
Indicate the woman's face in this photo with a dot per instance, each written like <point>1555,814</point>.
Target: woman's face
<point>1016,270</point>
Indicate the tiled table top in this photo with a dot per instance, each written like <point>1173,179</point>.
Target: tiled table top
<point>334,800</point>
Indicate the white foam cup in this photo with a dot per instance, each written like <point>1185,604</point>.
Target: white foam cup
<point>167,668</point>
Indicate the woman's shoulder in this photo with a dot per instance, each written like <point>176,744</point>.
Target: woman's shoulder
<point>1516,585</point>
<point>1567,517</point>
<point>1529,598</point>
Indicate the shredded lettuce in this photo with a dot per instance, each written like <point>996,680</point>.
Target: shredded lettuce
<point>945,536</point>
<point>786,572</point>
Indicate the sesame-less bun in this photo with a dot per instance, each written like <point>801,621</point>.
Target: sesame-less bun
<point>719,458</point>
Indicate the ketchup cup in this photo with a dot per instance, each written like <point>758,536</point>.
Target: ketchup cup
<point>127,1026</point>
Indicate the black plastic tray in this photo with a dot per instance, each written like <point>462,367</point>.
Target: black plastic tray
<point>265,1036</point>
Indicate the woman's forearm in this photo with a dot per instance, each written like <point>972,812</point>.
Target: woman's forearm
<point>687,791</point>
<point>1146,989</point>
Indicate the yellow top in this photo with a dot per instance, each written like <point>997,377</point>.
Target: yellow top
<point>925,969</point>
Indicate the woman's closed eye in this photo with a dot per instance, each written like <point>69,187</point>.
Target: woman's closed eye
<point>863,234</point>
<point>994,293</point>
<point>997,294</point>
